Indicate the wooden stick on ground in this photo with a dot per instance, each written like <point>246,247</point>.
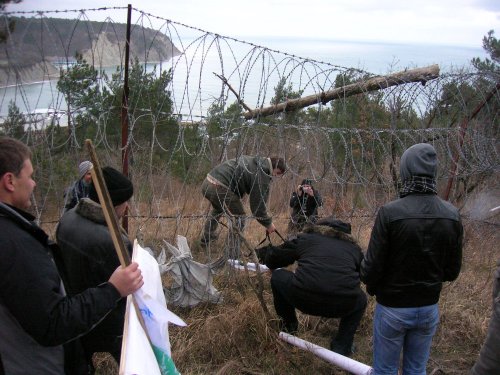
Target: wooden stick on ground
<point>260,282</point>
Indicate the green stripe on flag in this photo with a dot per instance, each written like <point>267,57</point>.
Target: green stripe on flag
<point>167,366</point>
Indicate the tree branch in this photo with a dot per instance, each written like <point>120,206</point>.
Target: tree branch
<point>223,79</point>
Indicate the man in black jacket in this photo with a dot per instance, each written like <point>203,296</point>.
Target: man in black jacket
<point>36,316</point>
<point>89,255</point>
<point>415,245</point>
<point>326,282</point>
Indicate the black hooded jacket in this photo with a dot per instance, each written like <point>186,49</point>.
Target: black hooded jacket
<point>328,260</point>
<point>416,241</point>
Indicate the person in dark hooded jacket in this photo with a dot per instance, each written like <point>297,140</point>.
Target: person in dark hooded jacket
<point>415,246</point>
<point>326,282</point>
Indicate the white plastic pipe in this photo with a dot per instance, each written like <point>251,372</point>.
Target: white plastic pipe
<point>251,266</point>
<point>348,364</point>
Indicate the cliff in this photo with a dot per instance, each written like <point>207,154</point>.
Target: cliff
<point>36,46</point>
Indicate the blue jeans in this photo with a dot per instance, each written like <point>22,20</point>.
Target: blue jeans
<point>409,329</point>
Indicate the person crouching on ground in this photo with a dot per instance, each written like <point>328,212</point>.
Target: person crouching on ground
<point>326,282</point>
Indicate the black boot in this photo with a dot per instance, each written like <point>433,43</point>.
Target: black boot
<point>289,327</point>
<point>345,350</point>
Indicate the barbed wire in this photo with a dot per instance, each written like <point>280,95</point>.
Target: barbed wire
<point>350,147</point>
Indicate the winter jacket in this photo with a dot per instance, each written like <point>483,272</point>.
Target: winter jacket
<point>250,175</point>
<point>305,207</point>
<point>36,317</point>
<point>488,362</point>
<point>328,261</point>
<point>415,244</point>
<point>74,193</point>
<point>89,255</point>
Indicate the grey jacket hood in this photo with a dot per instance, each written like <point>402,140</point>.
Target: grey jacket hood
<point>419,160</point>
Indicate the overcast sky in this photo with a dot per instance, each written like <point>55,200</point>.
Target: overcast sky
<point>446,22</point>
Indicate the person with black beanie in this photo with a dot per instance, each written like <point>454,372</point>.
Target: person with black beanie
<point>415,246</point>
<point>89,256</point>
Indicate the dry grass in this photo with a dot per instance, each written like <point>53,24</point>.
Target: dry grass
<point>234,337</point>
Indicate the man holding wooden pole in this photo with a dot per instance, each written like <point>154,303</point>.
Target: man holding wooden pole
<point>89,255</point>
<point>36,316</point>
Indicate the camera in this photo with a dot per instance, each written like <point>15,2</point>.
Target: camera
<point>301,188</point>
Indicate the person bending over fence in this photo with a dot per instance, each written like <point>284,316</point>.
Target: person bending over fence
<point>227,183</point>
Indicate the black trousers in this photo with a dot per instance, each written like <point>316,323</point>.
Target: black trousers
<point>350,309</point>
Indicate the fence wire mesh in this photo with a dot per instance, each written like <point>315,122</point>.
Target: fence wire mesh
<point>190,93</point>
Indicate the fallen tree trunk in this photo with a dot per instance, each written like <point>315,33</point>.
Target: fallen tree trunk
<point>376,83</point>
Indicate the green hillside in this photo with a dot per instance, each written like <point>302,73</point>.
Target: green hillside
<point>35,40</point>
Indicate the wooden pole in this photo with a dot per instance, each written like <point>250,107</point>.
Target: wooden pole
<point>124,111</point>
<point>111,219</point>
<point>461,137</point>
<point>240,101</point>
<point>107,206</point>
<point>373,84</point>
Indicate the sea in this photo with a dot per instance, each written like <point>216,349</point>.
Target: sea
<point>194,84</point>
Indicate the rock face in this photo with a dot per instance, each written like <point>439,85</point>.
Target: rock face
<point>106,52</point>
<point>32,50</point>
<point>14,75</point>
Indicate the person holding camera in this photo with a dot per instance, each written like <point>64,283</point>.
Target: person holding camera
<point>304,203</point>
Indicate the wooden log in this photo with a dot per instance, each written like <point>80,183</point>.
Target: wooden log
<point>373,84</point>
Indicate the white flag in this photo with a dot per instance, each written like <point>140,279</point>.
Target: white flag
<point>140,356</point>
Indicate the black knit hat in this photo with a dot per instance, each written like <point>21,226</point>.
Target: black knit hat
<point>307,181</point>
<point>120,187</point>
